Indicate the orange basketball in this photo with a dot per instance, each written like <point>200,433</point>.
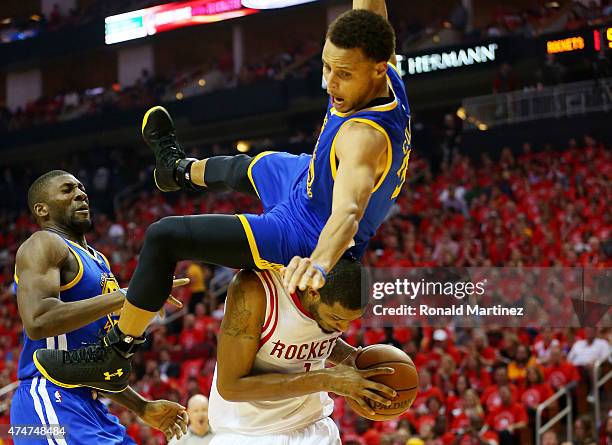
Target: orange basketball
<point>405,380</point>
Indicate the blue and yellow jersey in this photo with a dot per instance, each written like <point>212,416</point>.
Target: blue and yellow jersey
<point>94,278</point>
<point>312,194</point>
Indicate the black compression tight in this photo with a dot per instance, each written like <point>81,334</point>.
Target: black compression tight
<point>213,239</point>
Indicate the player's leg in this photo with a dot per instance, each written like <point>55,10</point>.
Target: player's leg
<point>269,175</point>
<point>322,432</point>
<point>213,239</point>
<point>27,411</point>
<point>174,171</point>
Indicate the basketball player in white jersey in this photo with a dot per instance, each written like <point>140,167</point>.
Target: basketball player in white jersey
<point>270,384</point>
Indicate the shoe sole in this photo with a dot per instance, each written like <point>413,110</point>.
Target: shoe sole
<point>46,375</point>
<point>145,119</point>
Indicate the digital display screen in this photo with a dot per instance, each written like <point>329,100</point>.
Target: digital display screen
<point>149,21</point>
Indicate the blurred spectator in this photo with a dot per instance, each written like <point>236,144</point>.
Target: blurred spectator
<point>476,433</point>
<point>167,369</point>
<point>606,437</point>
<point>544,343</point>
<point>560,372</point>
<point>534,390</point>
<point>197,284</point>
<point>550,438</point>
<point>589,350</point>
<point>199,432</point>
<point>491,397</point>
<point>508,418</point>
<point>584,432</point>
<point>517,368</point>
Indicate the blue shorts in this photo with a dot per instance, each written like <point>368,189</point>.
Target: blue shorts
<point>87,421</point>
<point>277,235</point>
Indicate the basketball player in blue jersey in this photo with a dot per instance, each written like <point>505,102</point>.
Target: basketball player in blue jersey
<point>317,207</point>
<point>66,295</point>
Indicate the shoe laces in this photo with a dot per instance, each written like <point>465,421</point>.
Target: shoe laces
<point>88,354</point>
<point>170,151</point>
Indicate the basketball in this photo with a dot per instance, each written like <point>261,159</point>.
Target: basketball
<point>405,380</point>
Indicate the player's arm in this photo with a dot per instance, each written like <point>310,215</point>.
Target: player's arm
<point>379,7</point>
<point>359,148</point>
<point>239,342</point>
<point>164,415</point>
<point>43,314</point>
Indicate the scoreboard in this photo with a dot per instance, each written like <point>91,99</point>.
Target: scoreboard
<point>588,40</point>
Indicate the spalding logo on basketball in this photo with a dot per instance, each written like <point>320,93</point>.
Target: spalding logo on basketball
<point>405,380</point>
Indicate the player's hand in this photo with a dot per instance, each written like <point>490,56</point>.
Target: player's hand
<point>168,417</point>
<point>177,282</point>
<point>351,382</point>
<point>302,273</point>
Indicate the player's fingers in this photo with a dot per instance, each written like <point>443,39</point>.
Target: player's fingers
<point>387,391</point>
<point>318,281</point>
<point>364,405</point>
<point>376,371</point>
<point>307,277</point>
<point>290,269</point>
<point>177,430</point>
<point>377,398</point>
<point>180,282</point>
<point>175,302</point>
<point>297,275</point>
<point>184,422</point>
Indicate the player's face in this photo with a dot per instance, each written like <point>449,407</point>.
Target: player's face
<point>68,204</point>
<point>334,318</point>
<point>352,79</point>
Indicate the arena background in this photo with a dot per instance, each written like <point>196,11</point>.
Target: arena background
<point>511,167</point>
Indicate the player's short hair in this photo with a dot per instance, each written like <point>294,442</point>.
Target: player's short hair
<point>343,285</point>
<point>38,190</point>
<point>360,28</point>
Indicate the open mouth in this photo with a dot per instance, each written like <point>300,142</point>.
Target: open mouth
<point>337,101</point>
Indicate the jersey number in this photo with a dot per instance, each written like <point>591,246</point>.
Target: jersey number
<point>401,173</point>
<point>307,366</point>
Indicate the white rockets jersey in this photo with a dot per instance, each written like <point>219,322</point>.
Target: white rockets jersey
<point>291,342</point>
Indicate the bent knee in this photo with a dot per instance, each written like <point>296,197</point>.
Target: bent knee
<point>165,231</point>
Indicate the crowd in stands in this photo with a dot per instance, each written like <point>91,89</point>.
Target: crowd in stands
<point>298,60</point>
<point>545,207</point>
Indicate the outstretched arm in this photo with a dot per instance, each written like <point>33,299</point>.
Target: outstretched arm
<point>380,8</point>
<point>359,149</point>
<point>164,415</point>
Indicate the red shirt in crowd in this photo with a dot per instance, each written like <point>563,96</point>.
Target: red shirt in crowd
<point>491,399</point>
<point>502,417</point>
<point>561,374</point>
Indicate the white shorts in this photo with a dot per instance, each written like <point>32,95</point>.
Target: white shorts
<point>323,432</point>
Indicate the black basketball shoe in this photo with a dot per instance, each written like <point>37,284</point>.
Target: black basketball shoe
<point>171,166</point>
<point>104,366</point>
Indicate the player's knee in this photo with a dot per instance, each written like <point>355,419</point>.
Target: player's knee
<point>162,234</point>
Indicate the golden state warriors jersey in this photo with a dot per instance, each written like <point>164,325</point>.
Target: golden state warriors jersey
<point>312,194</point>
<point>93,278</point>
